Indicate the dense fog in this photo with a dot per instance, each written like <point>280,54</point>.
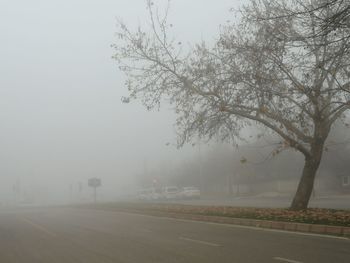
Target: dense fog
<point>63,120</point>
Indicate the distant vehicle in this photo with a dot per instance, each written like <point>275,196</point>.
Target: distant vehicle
<point>26,202</point>
<point>150,194</point>
<point>190,192</point>
<point>143,194</point>
<point>156,194</point>
<point>171,192</point>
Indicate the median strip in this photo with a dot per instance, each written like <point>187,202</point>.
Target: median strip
<point>316,221</point>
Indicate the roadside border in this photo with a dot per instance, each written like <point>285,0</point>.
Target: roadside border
<point>341,231</point>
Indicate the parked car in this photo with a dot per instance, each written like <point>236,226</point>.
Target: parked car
<point>143,194</point>
<point>170,192</point>
<point>156,194</point>
<point>190,192</point>
<point>150,194</point>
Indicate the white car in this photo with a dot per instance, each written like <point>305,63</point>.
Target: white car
<point>190,192</point>
<point>143,194</point>
<point>170,192</point>
<point>156,194</point>
<point>149,194</point>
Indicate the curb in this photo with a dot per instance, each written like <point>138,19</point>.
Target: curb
<point>277,225</point>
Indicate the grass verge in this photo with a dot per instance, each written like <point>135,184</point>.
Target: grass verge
<point>320,216</point>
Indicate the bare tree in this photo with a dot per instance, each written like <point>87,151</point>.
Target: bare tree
<point>340,18</point>
<point>329,15</point>
<point>272,73</point>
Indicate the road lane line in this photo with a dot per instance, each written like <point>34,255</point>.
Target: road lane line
<point>286,260</point>
<point>43,229</point>
<point>200,242</point>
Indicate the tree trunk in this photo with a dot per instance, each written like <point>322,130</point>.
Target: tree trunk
<point>229,181</point>
<point>306,183</point>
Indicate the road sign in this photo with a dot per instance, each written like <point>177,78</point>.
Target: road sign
<point>94,182</point>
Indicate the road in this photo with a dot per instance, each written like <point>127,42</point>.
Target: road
<point>35,235</point>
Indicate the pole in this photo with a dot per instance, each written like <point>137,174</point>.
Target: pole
<point>200,167</point>
<point>95,194</point>
<point>70,193</point>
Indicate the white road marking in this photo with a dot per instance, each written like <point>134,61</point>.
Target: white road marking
<point>43,229</point>
<point>286,260</point>
<point>200,242</point>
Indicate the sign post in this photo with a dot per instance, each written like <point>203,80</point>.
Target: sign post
<point>94,183</point>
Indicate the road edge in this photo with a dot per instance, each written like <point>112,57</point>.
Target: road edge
<point>267,224</point>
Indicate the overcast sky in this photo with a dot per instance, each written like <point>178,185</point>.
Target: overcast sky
<point>61,116</point>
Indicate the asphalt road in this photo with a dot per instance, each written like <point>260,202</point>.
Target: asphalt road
<point>65,235</point>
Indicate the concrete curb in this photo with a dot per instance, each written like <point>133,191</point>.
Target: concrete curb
<point>278,225</point>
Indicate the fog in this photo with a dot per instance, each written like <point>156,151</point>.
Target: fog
<point>174,131</point>
<point>62,120</point>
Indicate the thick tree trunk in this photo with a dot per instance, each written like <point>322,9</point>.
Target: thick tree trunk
<point>230,188</point>
<point>306,183</point>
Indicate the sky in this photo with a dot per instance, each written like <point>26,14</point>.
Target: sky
<point>61,116</point>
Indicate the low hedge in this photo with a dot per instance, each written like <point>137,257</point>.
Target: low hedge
<point>311,216</point>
